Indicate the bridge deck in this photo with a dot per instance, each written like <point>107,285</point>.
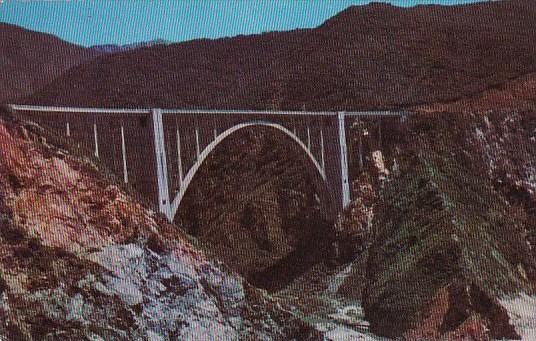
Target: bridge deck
<point>384,113</point>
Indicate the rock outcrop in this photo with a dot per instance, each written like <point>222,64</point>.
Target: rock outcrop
<point>453,231</point>
<point>81,259</point>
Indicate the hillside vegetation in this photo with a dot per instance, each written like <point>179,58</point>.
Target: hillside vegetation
<point>454,231</point>
<point>375,56</point>
<point>30,60</point>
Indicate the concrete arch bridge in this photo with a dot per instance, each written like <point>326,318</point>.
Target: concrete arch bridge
<point>159,151</point>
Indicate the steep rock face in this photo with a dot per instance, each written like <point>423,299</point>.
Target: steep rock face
<point>507,145</point>
<point>81,259</point>
<point>30,60</point>
<point>450,242</point>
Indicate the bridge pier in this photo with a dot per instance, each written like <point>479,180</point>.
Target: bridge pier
<point>197,148</point>
<point>161,164</point>
<point>308,137</point>
<point>344,161</point>
<point>379,135</point>
<point>360,142</point>
<point>179,157</point>
<point>96,139</point>
<point>124,153</point>
<point>322,151</point>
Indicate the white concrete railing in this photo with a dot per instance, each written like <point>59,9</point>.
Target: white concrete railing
<point>384,113</point>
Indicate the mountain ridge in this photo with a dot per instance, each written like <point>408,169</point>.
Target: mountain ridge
<point>345,63</point>
<point>115,48</point>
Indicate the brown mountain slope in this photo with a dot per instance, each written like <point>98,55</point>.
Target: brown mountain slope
<point>375,56</point>
<point>518,94</point>
<point>30,60</point>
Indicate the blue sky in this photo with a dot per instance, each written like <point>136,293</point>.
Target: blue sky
<point>91,22</point>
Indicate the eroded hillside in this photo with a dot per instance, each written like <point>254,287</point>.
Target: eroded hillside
<point>81,259</point>
<point>458,222</point>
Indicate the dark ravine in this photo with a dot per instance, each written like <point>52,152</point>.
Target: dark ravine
<point>268,228</point>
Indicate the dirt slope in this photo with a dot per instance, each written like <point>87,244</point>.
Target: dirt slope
<point>518,94</point>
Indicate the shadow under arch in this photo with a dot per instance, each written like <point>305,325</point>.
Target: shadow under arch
<point>327,200</point>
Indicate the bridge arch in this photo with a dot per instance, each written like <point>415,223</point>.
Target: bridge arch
<point>220,138</point>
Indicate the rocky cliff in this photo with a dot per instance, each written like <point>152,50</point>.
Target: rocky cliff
<point>450,241</point>
<point>81,259</point>
<point>450,252</point>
